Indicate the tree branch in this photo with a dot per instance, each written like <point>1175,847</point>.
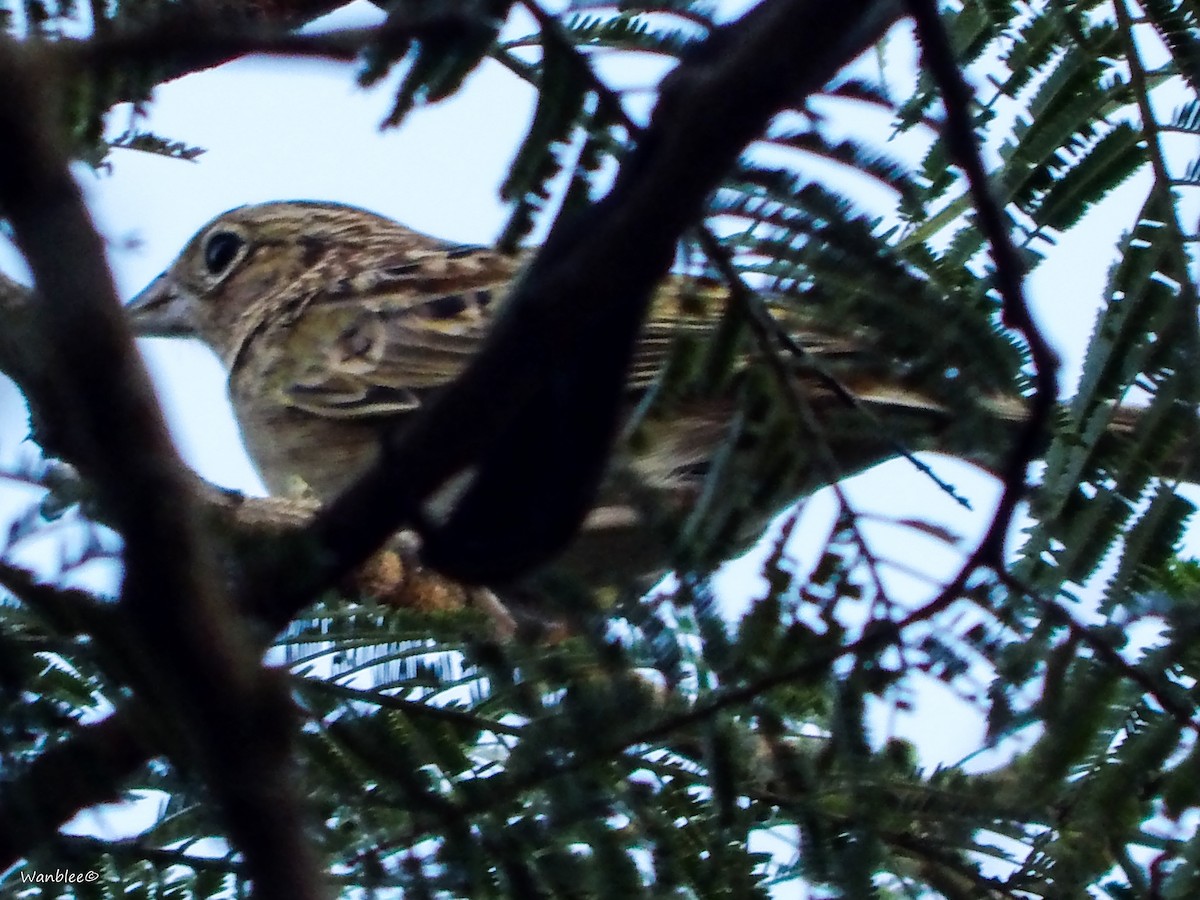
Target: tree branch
<point>183,43</point>
<point>711,107</point>
<point>959,136</point>
<point>197,667</point>
<point>66,778</point>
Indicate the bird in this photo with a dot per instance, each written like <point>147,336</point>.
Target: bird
<point>335,324</point>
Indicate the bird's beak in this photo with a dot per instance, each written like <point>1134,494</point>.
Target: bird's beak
<point>161,311</point>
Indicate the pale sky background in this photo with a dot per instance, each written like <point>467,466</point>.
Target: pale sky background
<point>280,129</point>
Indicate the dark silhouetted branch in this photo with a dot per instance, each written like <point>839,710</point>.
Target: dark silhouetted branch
<point>197,668</point>
<point>959,135</point>
<point>606,261</point>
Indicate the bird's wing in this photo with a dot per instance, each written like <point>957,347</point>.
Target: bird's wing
<point>374,341</point>
<point>377,342</point>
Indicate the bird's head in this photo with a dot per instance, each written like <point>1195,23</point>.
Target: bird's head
<point>249,265</point>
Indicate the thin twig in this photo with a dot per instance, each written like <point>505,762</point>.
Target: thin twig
<point>801,408</point>
<point>959,135</point>
<point>1106,653</point>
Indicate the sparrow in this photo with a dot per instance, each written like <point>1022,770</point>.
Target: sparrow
<point>334,324</point>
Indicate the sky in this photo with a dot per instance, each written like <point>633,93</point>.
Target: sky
<point>280,129</point>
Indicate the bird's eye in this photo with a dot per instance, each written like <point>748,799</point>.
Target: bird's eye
<point>220,250</point>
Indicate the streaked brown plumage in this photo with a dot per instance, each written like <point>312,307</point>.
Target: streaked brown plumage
<point>333,322</point>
